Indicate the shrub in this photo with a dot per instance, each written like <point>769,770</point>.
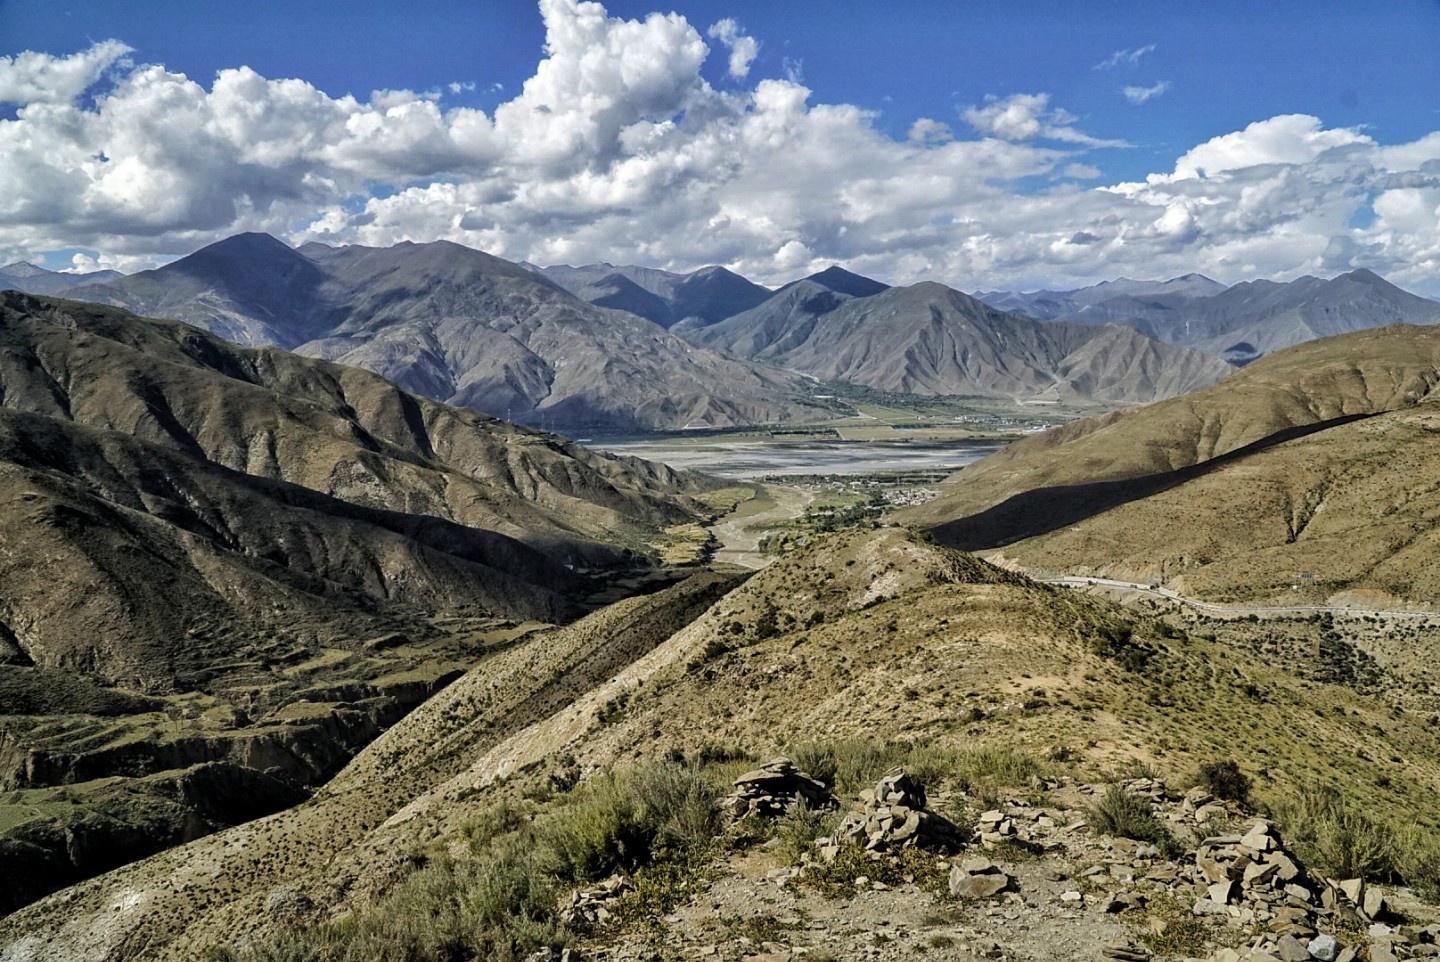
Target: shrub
<point>800,827</point>
<point>678,804</point>
<point>849,765</point>
<point>1418,862</point>
<point>1128,816</point>
<point>1334,837</point>
<point>501,904</point>
<point>1168,927</point>
<point>598,831</point>
<point>836,878</point>
<point>986,770</point>
<point>1224,779</point>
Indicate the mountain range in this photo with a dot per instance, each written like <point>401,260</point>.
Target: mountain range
<point>567,347</point>
<point>29,279</point>
<point>1238,323</point>
<point>929,339</point>
<point>461,326</point>
<point>291,667</point>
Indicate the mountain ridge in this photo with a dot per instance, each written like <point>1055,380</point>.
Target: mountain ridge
<point>464,327</point>
<point>930,339</point>
<point>1239,323</point>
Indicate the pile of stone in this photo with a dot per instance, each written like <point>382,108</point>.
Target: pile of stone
<point>1200,807</point>
<point>591,907</point>
<point>892,815</point>
<point>1254,881</point>
<point>773,789</point>
<point>994,827</point>
<point>1410,943</point>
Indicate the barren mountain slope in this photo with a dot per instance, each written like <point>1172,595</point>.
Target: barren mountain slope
<point>337,430</point>
<point>929,339</point>
<point>118,551</point>
<point>1239,323</point>
<point>1347,515</point>
<point>873,635</point>
<point>461,326</point>
<point>29,279</point>
<point>1071,472</point>
<point>250,289</point>
<point>283,554</point>
<point>704,296</point>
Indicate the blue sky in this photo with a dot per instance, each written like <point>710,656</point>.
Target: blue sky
<point>1027,142</point>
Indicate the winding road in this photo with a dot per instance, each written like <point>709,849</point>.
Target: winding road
<point>1070,581</point>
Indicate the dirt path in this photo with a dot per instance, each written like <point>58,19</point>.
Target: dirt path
<point>1234,611</point>
<point>739,532</point>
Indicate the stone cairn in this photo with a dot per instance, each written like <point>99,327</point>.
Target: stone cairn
<point>1253,879</point>
<point>892,815</point>
<point>773,789</point>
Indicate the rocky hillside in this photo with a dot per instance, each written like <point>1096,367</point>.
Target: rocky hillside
<point>701,297</point>
<point>230,468</point>
<point>29,279</point>
<point>1238,323</point>
<point>928,339</point>
<point>571,791</point>
<point>460,326</point>
<point>1313,460</point>
<point>227,569</point>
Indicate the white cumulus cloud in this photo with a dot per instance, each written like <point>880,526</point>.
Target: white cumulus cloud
<point>743,48</point>
<point>617,149</point>
<point>1029,117</point>
<point>36,78</point>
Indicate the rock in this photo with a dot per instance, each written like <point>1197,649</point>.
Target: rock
<point>1382,951</point>
<point>1125,952</point>
<point>588,907</point>
<point>1324,948</point>
<point>976,878</point>
<point>1354,889</point>
<point>1125,901</point>
<point>1220,892</point>
<point>773,789</point>
<point>1373,904</point>
<point>1289,949</point>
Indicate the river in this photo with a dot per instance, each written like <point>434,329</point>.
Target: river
<point>748,459</point>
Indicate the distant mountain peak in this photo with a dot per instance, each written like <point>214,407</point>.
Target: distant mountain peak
<point>1363,275</point>
<point>22,269</point>
<point>841,281</point>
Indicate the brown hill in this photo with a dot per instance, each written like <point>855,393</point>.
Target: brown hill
<point>1347,515</point>
<point>1280,466</point>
